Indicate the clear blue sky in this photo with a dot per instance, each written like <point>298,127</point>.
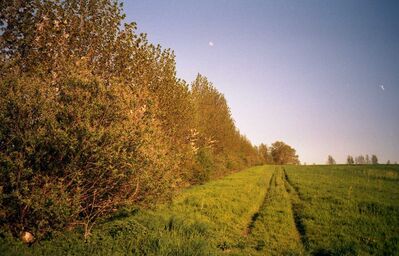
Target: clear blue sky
<point>323,76</point>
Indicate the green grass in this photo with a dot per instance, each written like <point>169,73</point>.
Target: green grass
<point>273,231</point>
<point>204,220</point>
<point>269,210</point>
<point>348,210</point>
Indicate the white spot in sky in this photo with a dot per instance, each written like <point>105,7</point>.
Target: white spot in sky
<point>210,43</point>
<point>382,87</point>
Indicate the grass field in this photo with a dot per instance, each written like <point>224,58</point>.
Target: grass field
<point>268,210</point>
<point>348,210</point>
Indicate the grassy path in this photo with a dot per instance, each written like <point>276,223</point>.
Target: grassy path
<point>297,207</point>
<point>274,229</point>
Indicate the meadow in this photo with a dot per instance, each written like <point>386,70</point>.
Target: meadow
<point>348,210</point>
<point>264,210</point>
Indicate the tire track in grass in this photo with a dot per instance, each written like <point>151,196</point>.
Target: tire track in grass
<point>274,230</point>
<point>296,206</point>
<point>255,216</point>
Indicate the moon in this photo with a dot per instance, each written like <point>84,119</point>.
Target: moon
<point>382,87</point>
<point>210,44</point>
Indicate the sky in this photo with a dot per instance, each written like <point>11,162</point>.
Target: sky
<point>322,76</point>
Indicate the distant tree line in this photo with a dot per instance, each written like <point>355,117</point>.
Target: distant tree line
<point>357,160</point>
<point>362,159</point>
<point>93,117</point>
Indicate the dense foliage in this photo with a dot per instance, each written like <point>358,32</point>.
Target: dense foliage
<point>93,117</point>
<point>282,153</point>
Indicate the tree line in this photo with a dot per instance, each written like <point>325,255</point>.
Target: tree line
<point>93,117</point>
<point>361,159</point>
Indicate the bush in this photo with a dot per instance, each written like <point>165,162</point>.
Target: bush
<point>204,166</point>
<point>72,152</point>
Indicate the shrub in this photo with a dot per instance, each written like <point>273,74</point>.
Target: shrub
<point>74,151</point>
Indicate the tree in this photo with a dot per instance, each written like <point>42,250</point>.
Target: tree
<point>331,160</point>
<point>216,132</point>
<point>79,126</point>
<point>265,153</point>
<point>283,153</point>
<point>389,162</point>
<point>374,159</point>
<point>262,149</point>
<point>367,159</point>
<point>360,160</point>
<point>349,160</point>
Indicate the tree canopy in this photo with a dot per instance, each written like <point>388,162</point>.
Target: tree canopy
<point>331,160</point>
<point>349,160</point>
<point>283,154</point>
